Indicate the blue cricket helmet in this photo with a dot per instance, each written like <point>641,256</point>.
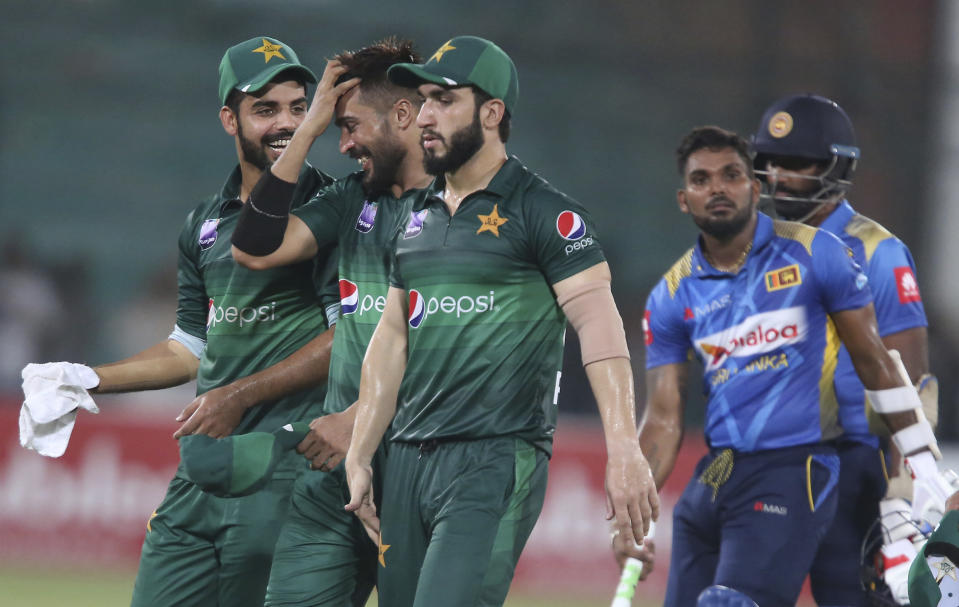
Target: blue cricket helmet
<point>809,128</point>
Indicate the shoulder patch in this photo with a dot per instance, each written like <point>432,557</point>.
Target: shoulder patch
<point>799,232</point>
<point>683,268</point>
<point>867,231</point>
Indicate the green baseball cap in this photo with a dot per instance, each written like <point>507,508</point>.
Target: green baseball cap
<point>251,65</point>
<point>923,586</point>
<point>241,464</point>
<point>462,61</point>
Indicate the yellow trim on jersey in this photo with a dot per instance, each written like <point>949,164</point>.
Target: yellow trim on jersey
<point>882,462</point>
<point>799,232</point>
<point>812,503</point>
<point>828,403</point>
<point>868,232</point>
<point>683,268</point>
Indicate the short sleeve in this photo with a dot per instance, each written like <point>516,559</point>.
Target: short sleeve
<point>562,234</point>
<point>192,302</point>
<point>664,329</point>
<point>844,285</point>
<point>895,288</point>
<point>324,213</point>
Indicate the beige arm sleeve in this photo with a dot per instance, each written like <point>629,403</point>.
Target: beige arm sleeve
<point>592,311</point>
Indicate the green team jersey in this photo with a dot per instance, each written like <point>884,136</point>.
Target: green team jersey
<point>485,331</point>
<point>251,319</point>
<point>362,229</point>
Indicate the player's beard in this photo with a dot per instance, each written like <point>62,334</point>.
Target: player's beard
<point>724,229</point>
<point>255,153</point>
<point>386,156</point>
<point>795,210</point>
<point>462,145</point>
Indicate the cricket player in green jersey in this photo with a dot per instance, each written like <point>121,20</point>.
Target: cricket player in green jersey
<point>231,323</point>
<point>323,556</point>
<point>486,269</point>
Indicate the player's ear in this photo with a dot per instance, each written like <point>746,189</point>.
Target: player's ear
<point>491,114</point>
<point>757,188</point>
<point>404,114</point>
<point>681,201</point>
<point>228,120</point>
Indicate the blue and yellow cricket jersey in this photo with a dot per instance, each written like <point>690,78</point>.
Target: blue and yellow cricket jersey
<point>768,347</point>
<point>892,280</point>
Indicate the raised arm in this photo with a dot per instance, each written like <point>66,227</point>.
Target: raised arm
<point>266,236</point>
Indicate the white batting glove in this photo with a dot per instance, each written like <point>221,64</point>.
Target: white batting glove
<point>931,487</point>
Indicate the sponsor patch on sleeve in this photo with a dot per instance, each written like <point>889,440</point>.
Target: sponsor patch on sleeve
<point>906,285</point>
<point>647,332</point>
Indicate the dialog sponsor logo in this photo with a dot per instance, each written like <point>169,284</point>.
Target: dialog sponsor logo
<point>422,307</point>
<point>757,334</point>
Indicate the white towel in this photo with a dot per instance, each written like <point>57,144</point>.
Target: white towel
<point>52,394</point>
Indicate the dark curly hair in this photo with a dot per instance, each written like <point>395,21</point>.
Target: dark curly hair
<point>370,64</point>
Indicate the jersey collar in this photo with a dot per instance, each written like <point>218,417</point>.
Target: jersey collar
<point>761,237</point>
<point>838,219</point>
<point>504,182</point>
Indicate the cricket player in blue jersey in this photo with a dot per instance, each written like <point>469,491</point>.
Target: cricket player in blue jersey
<point>806,154</point>
<point>764,305</point>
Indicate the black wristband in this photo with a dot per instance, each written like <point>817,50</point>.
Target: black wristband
<point>262,222</point>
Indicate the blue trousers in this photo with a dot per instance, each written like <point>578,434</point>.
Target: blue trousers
<point>752,522</point>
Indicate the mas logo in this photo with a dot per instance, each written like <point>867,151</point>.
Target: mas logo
<point>208,233</point>
<point>364,223</point>
<point>783,278</point>
<point>907,286</point>
<point>758,334</point>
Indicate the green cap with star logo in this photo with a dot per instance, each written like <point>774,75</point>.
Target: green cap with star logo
<point>251,65</point>
<point>462,61</point>
<point>924,590</point>
<point>239,464</point>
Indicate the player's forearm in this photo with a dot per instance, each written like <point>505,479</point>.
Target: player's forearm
<point>660,441</point>
<point>307,367</point>
<point>163,365</point>
<point>383,368</point>
<point>661,429</point>
<point>612,383</point>
<point>379,387</point>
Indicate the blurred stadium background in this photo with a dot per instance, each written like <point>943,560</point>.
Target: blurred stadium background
<point>108,116</point>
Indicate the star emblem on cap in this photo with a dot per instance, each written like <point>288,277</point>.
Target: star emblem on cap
<point>270,51</point>
<point>491,222</point>
<point>383,549</point>
<point>945,568</point>
<point>438,55</point>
